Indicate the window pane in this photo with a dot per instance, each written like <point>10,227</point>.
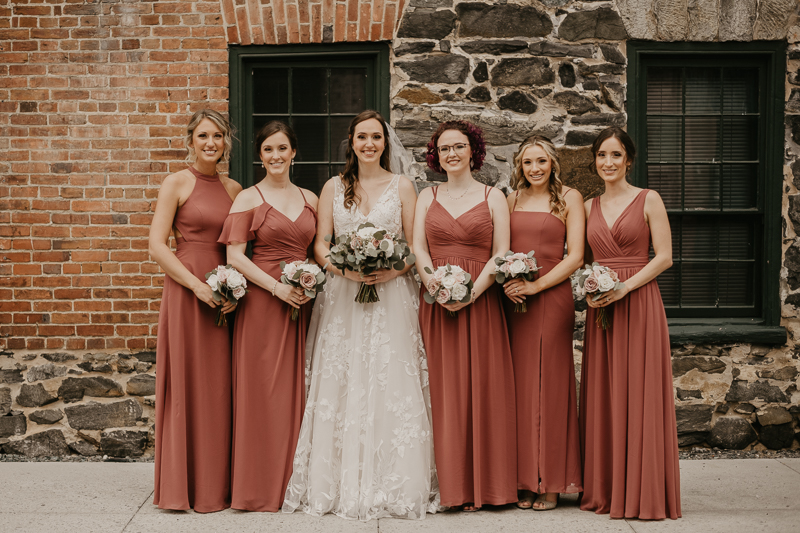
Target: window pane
<point>701,187</point>
<point>698,238</point>
<point>664,90</point>
<point>312,138</point>
<point>669,286</point>
<point>736,284</point>
<point>739,190</point>
<point>699,284</point>
<point>258,172</point>
<point>664,139</point>
<point>666,179</point>
<point>740,91</point>
<point>702,90</point>
<point>309,90</point>
<point>348,90</point>
<point>702,139</point>
<point>740,138</point>
<point>736,238</point>
<point>339,139</point>
<point>311,177</point>
<point>270,90</point>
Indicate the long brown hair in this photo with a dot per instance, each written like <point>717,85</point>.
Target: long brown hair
<point>557,204</point>
<point>349,175</point>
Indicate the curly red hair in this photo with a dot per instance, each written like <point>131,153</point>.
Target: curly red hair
<point>476,143</point>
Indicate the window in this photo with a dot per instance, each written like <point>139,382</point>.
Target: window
<point>317,89</point>
<point>709,134</point>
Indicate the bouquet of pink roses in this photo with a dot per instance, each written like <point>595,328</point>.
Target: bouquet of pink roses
<point>366,250</point>
<point>512,266</point>
<point>596,279</point>
<point>307,276</point>
<point>450,284</point>
<point>227,283</point>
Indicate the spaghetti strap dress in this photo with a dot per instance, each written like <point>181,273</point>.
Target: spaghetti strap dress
<point>268,359</point>
<point>628,431</point>
<point>548,439</point>
<point>193,356</point>
<point>471,372</point>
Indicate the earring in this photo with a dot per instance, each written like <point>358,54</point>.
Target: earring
<point>292,164</point>
<point>471,164</point>
<point>262,165</point>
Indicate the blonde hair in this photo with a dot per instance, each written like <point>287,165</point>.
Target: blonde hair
<point>223,125</point>
<point>557,204</point>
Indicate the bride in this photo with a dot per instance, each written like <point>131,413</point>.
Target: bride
<point>365,448</point>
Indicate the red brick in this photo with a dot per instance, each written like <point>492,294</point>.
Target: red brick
<point>91,281</point>
<point>32,294</point>
<point>45,330</point>
<point>92,306</point>
<point>110,318</point>
<point>35,344</point>
<point>52,306</point>
<point>76,344</point>
<point>70,318</point>
<point>95,330</point>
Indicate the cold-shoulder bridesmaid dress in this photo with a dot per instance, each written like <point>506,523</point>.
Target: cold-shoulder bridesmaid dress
<point>193,381</point>
<point>628,430</point>
<point>471,373</point>
<point>268,360</point>
<point>548,439</point>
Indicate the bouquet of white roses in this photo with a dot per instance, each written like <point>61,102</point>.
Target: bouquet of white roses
<point>596,279</point>
<point>512,266</point>
<point>366,250</point>
<point>307,276</point>
<point>227,283</point>
<point>450,284</point>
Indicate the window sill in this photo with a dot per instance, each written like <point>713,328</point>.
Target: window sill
<point>682,331</point>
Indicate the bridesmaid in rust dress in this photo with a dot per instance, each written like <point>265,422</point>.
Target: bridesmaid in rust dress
<point>544,217</point>
<point>465,224</point>
<point>628,430</point>
<point>193,382</point>
<point>268,347</point>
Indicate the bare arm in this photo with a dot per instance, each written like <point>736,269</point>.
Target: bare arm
<point>576,226</point>
<point>420,244</point>
<point>656,217</point>
<point>322,248</point>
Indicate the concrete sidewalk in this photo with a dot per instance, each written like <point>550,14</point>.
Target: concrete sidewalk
<point>747,495</point>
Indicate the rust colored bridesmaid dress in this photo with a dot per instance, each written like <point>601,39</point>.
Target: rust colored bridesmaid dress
<point>193,381</point>
<point>470,369</point>
<point>268,360</point>
<point>548,439</point>
<point>628,431</point>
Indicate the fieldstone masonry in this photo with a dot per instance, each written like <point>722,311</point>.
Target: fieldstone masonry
<point>111,84</point>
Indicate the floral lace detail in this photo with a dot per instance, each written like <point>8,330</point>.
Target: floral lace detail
<point>386,213</point>
<point>365,448</point>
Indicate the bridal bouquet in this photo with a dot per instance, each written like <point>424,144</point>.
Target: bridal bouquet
<point>307,276</point>
<point>227,283</point>
<point>512,266</point>
<point>449,285</point>
<point>597,280</point>
<point>366,250</point>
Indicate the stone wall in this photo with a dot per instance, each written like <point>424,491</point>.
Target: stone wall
<point>558,67</point>
<point>62,403</point>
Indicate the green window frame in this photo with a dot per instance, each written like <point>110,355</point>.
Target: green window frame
<point>718,164</point>
<point>302,78</point>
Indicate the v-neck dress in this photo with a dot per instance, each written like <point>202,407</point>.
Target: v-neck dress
<point>548,439</point>
<point>471,373</point>
<point>193,382</point>
<point>268,359</point>
<point>627,414</point>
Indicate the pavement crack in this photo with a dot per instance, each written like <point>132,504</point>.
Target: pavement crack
<point>149,496</point>
<point>793,469</point>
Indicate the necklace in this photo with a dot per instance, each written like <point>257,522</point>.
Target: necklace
<point>447,192</point>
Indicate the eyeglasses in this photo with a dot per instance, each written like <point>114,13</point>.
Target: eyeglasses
<point>459,148</point>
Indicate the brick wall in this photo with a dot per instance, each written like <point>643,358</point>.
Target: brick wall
<point>94,98</point>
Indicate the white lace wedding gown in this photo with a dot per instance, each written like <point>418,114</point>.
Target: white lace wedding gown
<point>365,448</point>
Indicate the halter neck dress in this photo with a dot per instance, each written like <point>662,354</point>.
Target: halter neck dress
<point>471,373</point>
<point>548,440</point>
<point>628,430</point>
<point>268,359</point>
<point>193,382</point>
